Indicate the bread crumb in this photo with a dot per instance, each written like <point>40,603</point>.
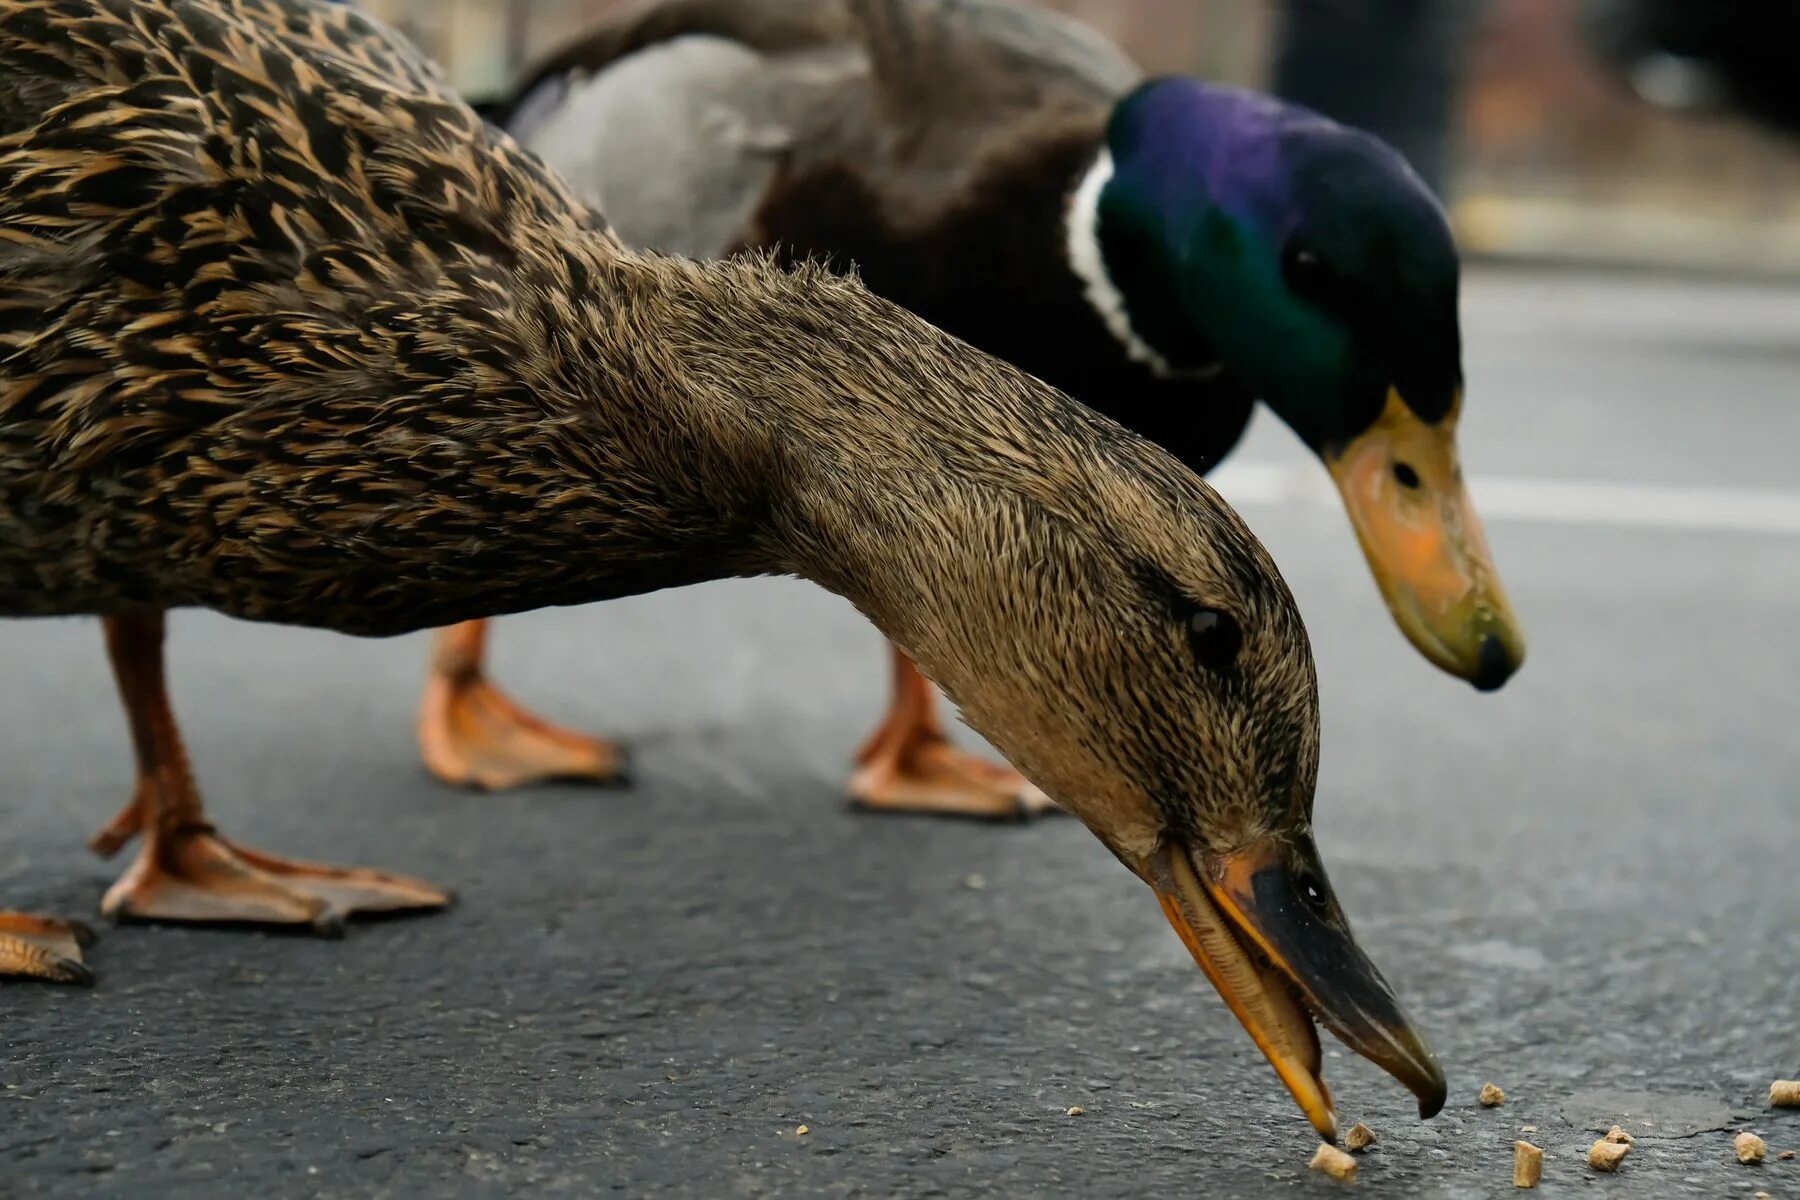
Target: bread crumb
<point>1360,1137</point>
<point>1491,1096</point>
<point>1528,1129</point>
<point>1761,1196</point>
<point>1749,1147</point>
<point>1616,1134</point>
<point>1785,1154</point>
<point>1075,1110</point>
<point>1784,1093</point>
<point>974,882</point>
<point>1528,1164</point>
<point>802,1131</point>
<point>1605,1156</point>
<point>1329,1160</point>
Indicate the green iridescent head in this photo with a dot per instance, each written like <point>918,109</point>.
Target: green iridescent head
<point>1310,264</point>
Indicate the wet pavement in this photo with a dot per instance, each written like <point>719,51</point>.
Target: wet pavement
<point>1583,886</point>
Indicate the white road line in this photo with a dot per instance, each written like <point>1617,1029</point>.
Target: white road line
<point>1551,501</point>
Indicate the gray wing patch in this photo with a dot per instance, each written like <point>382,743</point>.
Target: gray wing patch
<point>679,143</point>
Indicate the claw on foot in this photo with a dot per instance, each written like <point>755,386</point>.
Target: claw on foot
<point>44,948</point>
<point>472,734</point>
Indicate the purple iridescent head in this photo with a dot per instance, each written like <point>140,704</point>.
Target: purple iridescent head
<point>1304,255</point>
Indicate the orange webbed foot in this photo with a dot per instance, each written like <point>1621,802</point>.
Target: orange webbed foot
<point>910,765</point>
<point>931,775</point>
<point>472,734</point>
<point>195,875</point>
<point>33,947</point>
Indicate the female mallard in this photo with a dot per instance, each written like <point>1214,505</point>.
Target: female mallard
<point>287,332</point>
<point>1165,251</point>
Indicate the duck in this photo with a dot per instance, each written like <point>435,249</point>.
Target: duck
<point>1165,250</point>
<point>289,333</point>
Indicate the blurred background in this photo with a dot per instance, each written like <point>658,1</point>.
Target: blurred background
<point>1631,132</point>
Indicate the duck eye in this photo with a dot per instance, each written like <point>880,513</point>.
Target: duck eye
<point>1313,892</point>
<point>1215,637</point>
<point>1301,265</point>
<point>1307,276</point>
<point>1407,477</point>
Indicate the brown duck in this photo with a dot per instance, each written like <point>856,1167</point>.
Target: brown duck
<point>286,331</point>
<point>1166,251</point>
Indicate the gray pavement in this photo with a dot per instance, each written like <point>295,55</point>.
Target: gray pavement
<point>1583,886</point>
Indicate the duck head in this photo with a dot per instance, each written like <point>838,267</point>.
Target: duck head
<point>1232,232</point>
<point>1121,636</point>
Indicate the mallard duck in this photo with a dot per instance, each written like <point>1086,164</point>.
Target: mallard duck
<point>287,332</point>
<point>1164,250</point>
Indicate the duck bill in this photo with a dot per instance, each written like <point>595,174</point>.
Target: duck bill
<point>1275,953</point>
<point>1402,484</point>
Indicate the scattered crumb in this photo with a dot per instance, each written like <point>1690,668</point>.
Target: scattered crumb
<point>1761,1196</point>
<point>1528,1129</point>
<point>1784,1093</point>
<point>1528,1164</point>
<point>1616,1134</point>
<point>1785,1154</point>
<point>1605,1156</point>
<point>1360,1137</point>
<point>1075,1110</point>
<point>1749,1147</point>
<point>1329,1160</point>
<point>1491,1096</point>
<point>802,1131</point>
<point>975,883</point>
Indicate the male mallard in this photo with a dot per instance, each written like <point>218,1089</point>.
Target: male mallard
<point>287,332</point>
<point>1165,251</point>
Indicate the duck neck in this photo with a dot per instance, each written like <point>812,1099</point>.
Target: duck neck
<point>646,423</point>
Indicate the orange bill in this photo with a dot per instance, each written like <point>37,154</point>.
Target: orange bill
<point>1402,485</point>
<point>1264,928</point>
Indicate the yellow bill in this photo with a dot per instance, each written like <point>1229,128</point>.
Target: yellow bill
<point>1402,485</point>
<point>1261,923</point>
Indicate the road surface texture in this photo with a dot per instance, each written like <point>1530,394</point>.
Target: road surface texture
<point>1583,886</point>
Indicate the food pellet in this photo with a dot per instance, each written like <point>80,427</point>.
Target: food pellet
<point>1749,1147</point>
<point>802,1131</point>
<point>1784,1093</point>
<point>1528,1164</point>
<point>1491,1096</point>
<point>1605,1156</point>
<point>1075,1110</point>
<point>1785,1154</point>
<point>1616,1134</point>
<point>1360,1137</point>
<point>1329,1160</point>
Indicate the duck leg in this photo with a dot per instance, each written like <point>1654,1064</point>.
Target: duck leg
<point>909,765</point>
<point>43,948</point>
<point>472,734</point>
<point>185,870</point>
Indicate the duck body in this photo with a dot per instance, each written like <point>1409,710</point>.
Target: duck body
<point>255,387</point>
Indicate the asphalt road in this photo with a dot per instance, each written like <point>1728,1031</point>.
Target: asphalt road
<point>1584,886</point>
